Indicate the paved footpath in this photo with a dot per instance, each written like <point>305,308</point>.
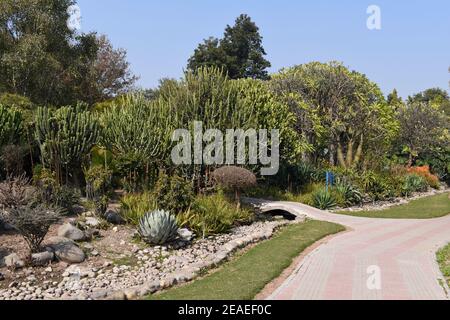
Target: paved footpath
<point>377,259</point>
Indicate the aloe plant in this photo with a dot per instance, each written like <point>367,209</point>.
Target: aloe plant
<point>158,227</point>
<point>324,200</point>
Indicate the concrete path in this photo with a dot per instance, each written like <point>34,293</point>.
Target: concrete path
<point>377,259</point>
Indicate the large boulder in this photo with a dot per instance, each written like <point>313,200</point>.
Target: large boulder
<point>42,259</point>
<point>66,250</point>
<point>113,217</point>
<point>13,261</point>
<point>71,232</point>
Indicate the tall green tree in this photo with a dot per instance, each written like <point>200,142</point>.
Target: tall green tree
<point>424,128</point>
<point>40,57</point>
<point>435,97</point>
<point>44,60</point>
<point>340,112</point>
<point>394,100</point>
<point>240,52</point>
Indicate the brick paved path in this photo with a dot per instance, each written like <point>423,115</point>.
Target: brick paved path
<point>403,253</point>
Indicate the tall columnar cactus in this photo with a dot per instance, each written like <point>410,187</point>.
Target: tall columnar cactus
<point>10,126</point>
<point>65,136</point>
<point>137,127</point>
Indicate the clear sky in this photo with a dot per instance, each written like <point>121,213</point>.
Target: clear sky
<point>411,52</point>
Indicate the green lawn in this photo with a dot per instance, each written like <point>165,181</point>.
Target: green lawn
<point>443,258</point>
<point>425,208</point>
<point>244,277</point>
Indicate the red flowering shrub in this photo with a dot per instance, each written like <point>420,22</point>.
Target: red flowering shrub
<point>425,172</point>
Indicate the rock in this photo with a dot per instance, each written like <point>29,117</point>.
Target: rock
<point>2,277</point>
<point>66,250</point>
<point>113,217</point>
<point>42,259</point>
<point>71,232</point>
<point>95,253</point>
<point>185,235</point>
<point>79,272</point>
<point>119,295</point>
<point>131,294</point>
<point>78,209</point>
<point>13,261</point>
<point>92,222</point>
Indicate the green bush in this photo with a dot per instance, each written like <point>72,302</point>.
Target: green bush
<point>347,195</point>
<point>50,193</point>
<point>324,199</point>
<point>214,214</point>
<point>134,206</point>
<point>173,193</point>
<point>414,183</point>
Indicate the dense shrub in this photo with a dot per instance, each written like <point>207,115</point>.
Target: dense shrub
<point>414,183</point>
<point>98,182</point>
<point>173,193</point>
<point>11,157</point>
<point>324,199</point>
<point>32,222</point>
<point>134,206</point>
<point>212,215</point>
<point>51,193</point>
<point>432,180</point>
<point>346,194</point>
<point>15,192</point>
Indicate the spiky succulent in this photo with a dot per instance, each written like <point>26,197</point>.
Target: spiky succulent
<point>324,200</point>
<point>158,227</point>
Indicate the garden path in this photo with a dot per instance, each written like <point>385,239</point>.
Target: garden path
<point>377,259</point>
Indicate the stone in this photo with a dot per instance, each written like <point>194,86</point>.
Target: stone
<point>42,259</point>
<point>92,222</point>
<point>185,235</point>
<point>2,277</point>
<point>13,261</point>
<point>119,295</point>
<point>130,294</point>
<point>79,272</point>
<point>66,250</point>
<point>71,232</point>
<point>113,217</point>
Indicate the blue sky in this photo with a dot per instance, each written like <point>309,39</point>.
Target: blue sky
<point>411,52</point>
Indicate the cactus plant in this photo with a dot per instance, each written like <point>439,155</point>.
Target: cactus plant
<point>10,126</point>
<point>65,136</point>
<point>158,227</point>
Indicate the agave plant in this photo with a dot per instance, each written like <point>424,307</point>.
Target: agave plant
<point>350,194</point>
<point>324,200</point>
<point>158,227</point>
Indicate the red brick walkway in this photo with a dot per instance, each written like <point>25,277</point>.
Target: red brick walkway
<point>377,259</point>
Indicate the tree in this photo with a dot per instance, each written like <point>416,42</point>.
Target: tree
<point>236,179</point>
<point>40,57</point>
<point>422,129</point>
<point>110,72</point>
<point>339,112</point>
<point>435,97</point>
<point>394,99</point>
<point>240,52</point>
